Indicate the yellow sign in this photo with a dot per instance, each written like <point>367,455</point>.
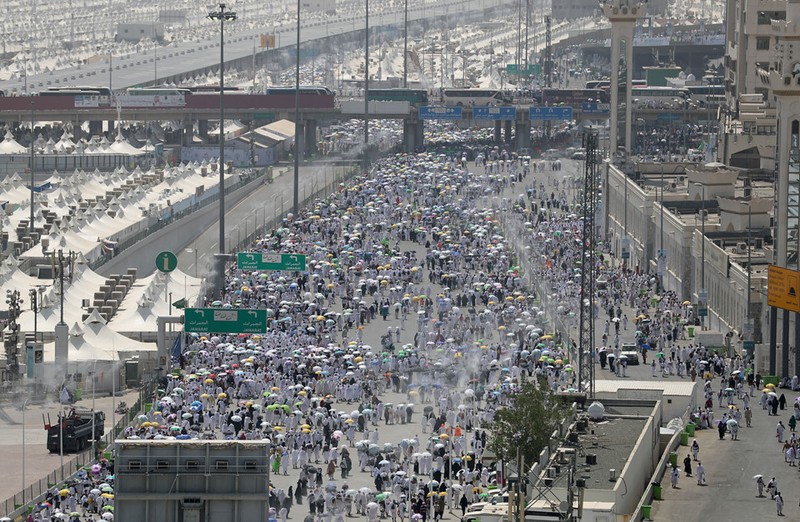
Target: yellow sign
<point>784,288</point>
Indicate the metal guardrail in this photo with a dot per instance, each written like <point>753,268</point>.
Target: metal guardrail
<point>36,491</point>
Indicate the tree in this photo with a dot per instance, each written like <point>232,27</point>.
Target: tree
<point>526,424</point>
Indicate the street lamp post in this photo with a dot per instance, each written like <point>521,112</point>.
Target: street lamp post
<point>33,141</point>
<point>662,258</point>
<point>703,296</point>
<point>222,16</point>
<point>405,44</point>
<point>297,127</point>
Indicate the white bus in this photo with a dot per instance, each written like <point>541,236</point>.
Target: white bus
<point>660,94</point>
<point>474,97</point>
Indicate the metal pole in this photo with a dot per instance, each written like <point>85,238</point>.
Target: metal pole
<point>661,254</point>
<point>24,405</point>
<point>33,140</point>
<point>405,44</point>
<point>222,16</point>
<point>366,87</point>
<point>221,129</point>
<point>296,185</point>
<point>94,435</point>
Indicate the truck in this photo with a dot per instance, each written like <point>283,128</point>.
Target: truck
<point>74,430</point>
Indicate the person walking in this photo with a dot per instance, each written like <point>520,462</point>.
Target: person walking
<point>772,487</point>
<point>695,450</point>
<point>673,478</point>
<point>748,416</point>
<point>760,485</point>
<point>687,465</point>
<point>779,503</point>
<point>701,474</point>
<point>779,429</point>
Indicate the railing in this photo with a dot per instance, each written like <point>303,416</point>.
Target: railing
<point>162,223</point>
<point>35,492</point>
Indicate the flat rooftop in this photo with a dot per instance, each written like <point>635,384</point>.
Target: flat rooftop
<point>612,441</point>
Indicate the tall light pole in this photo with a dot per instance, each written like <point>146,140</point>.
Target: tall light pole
<point>702,295</point>
<point>297,127</point>
<point>366,87</point>
<point>405,44</point>
<point>222,16</point>
<point>33,141</point>
<point>662,255</point>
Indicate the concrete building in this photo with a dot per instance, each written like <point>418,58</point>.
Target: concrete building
<point>191,480</point>
<point>667,206</point>
<point>575,9</point>
<point>784,79</point>
<point>136,31</point>
<point>325,6</point>
<point>749,140</point>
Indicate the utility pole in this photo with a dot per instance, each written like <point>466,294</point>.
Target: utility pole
<point>585,355</point>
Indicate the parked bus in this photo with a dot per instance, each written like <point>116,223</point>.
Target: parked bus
<point>474,97</point>
<point>412,96</point>
<point>661,94</point>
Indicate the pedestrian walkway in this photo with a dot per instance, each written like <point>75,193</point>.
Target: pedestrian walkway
<point>731,467</point>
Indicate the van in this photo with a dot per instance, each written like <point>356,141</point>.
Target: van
<point>631,353</point>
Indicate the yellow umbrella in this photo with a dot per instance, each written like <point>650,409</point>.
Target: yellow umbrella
<point>64,492</point>
<point>107,495</point>
<point>222,396</point>
<point>444,436</point>
<point>546,337</point>
<point>305,427</point>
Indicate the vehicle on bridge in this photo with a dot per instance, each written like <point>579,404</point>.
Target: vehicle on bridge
<point>309,90</point>
<point>661,95</point>
<point>412,96</point>
<point>84,96</point>
<point>570,97</point>
<point>474,97</point>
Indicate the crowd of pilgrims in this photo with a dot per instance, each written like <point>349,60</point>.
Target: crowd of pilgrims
<point>418,244</point>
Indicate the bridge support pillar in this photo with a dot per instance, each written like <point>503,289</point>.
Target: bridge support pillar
<point>507,133</point>
<point>95,127</point>
<point>111,124</point>
<point>299,142</point>
<point>187,137</point>
<point>498,130</point>
<point>310,137</point>
<point>409,136</point>
<point>202,129</point>
<point>419,135</point>
<point>77,132</point>
<point>523,135</point>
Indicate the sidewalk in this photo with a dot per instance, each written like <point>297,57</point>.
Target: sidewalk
<point>731,493</point>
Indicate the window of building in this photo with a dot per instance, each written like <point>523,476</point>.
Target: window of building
<point>766,17</point>
<point>793,197</point>
<point>762,44</point>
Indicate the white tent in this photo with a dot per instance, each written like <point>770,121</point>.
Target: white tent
<point>10,146</point>
<point>95,349</point>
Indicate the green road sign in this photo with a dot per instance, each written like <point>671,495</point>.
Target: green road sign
<point>225,320</point>
<point>263,115</point>
<point>702,312</point>
<point>748,345</point>
<point>271,261</point>
<point>533,69</point>
<point>166,261</point>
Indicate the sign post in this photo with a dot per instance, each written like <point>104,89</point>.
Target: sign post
<point>428,112</point>
<point>225,320</point>
<point>494,113</point>
<point>550,113</point>
<point>271,261</point>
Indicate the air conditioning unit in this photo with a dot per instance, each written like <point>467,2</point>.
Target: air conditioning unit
<point>741,248</point>
<point>702,213</point>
